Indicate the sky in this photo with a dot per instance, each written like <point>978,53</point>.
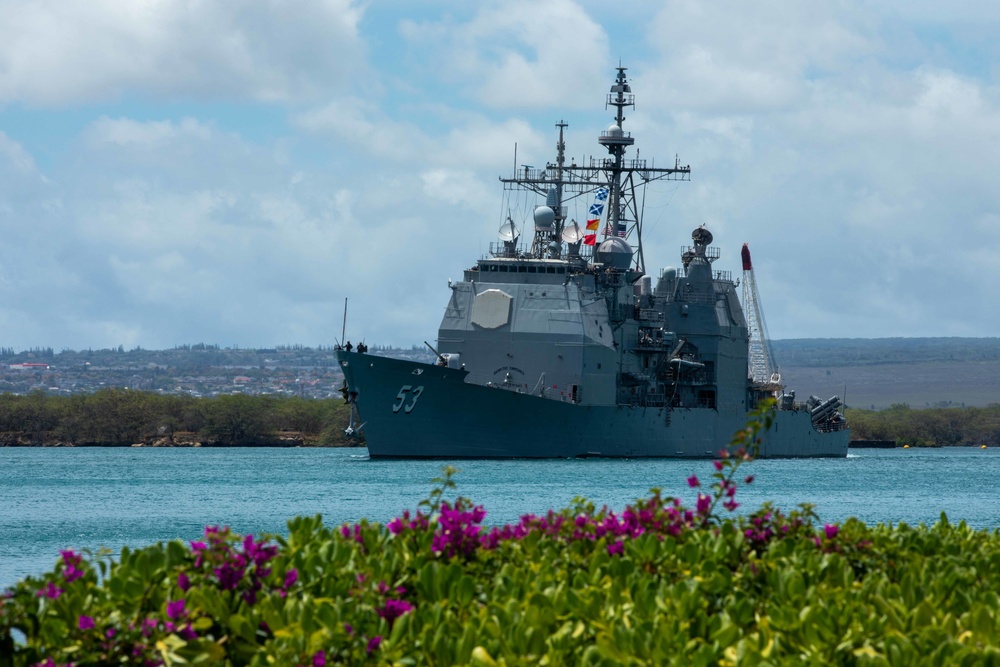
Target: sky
<point>229,172</point>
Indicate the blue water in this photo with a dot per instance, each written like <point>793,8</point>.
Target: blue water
<point>52,499</point>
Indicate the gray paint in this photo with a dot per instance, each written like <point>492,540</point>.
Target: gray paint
<point>582,360</point>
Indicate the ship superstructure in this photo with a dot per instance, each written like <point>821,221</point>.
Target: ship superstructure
<point>567,346</point>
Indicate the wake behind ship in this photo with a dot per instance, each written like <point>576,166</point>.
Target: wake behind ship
<point>565,347</point>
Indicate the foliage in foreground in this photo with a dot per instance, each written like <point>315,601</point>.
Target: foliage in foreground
<point>659,583</point>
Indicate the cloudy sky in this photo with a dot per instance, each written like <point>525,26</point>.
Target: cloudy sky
<point>183,171</point>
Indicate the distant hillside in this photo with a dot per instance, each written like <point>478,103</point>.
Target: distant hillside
<point>805,352</point>
<point>879,372</point>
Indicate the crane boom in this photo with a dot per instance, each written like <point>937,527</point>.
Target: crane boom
<point>761,364</point>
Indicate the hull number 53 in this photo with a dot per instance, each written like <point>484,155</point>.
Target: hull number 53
<point>414,393</point>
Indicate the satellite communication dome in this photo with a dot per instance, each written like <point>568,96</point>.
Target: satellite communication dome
<point>614,252</point>
<point>572,233</point>
<point>615,130</point>
<point>544,217</point>
<point>507,232</point>
<point>701,236</point>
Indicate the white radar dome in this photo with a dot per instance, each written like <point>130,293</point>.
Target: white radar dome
<point>544,217</point>
<point>614,252</point>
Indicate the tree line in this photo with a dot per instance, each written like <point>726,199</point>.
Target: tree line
<point>123,417</point>
<point>928,427</point>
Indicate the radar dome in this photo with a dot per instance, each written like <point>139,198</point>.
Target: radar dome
<point>544,217</point>
<point>615,130</point>
<point>614,252</point>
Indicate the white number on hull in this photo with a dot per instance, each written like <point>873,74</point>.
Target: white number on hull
<point>401,398</point>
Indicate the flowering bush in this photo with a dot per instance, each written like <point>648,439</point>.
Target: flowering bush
<point>659,582</point>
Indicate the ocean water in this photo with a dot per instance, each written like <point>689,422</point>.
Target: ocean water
<point>52,499</point>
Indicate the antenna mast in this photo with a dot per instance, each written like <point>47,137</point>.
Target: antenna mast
<point>620,175</point>
<point>343,329</point>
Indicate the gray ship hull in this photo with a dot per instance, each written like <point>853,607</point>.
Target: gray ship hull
<point>416,410</point>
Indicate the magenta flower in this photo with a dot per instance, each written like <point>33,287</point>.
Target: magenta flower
<point>693,481</point>
<point>374,643</point>
<point>71,570</point>
<point>187,633</point>
<point>183,582</point>
<point>319,659</point>
<point>393,609</point>
<point>718,465</point>
<point>85,623</point>
<point>704,502</point>
<point>395,526</point>
<point>748,479</point>
<point>831,531</point>
<point>291,577</point>
<point>50,590</point>
<point>617,547</point>
<point>175,609</point>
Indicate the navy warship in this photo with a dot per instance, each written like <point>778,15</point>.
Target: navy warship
<point>565,346</point>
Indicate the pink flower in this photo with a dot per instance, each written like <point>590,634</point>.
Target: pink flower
<point>85,623</point>
<point>748,479</point>
<point>183,582</point>
<point>373,644</point>
<point>319,659</point>
<point>291,577</point>
<point>175,609</point>
<point>617,547</point>
<point>50,590</point>
<point>718,465</point>
<point>704,502</point>
<point>831,531</point>
<point>693,481</point>
<point>393,609</point>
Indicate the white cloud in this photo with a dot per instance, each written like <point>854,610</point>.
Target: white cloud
<point>852,146</point>
<point>519,53</point>
<point>57,53</point>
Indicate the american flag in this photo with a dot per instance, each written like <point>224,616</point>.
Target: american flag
<point>622,229</point>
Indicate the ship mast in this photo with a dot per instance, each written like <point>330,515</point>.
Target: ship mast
<point>620,175</point>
